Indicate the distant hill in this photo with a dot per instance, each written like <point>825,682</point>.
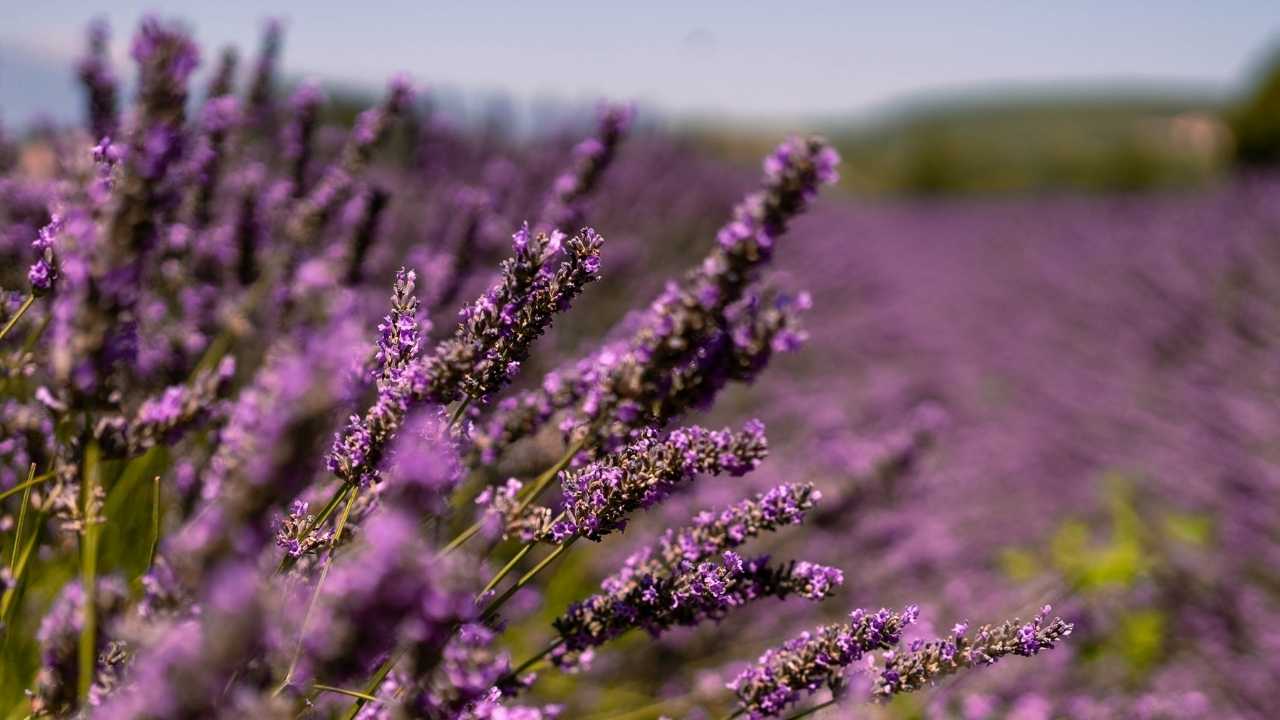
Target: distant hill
<point>996,142</point>
<point>1019,142</point>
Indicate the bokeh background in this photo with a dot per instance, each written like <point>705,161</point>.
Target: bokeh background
<point>1043,355</point>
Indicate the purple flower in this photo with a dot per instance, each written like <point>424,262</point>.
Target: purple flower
<point>686,596</point>
<point>599,497</point>
<point>923,666</point>
<point>811,660</point>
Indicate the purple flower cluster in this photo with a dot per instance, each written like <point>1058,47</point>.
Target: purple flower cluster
<point>927,662</point>
<point>44,272</point>
<point>495,332</point>
<point>591,158</point>
<point>389,594</point>
<point>696,335</point>
<point>713,533</point>
<point>687,596</point>
<point>815,659</point>
<point>195,404</point>
<point>598,498</point>
<point>101,87</point>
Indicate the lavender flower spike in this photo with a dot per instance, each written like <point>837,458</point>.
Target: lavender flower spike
<point>399,333</point>
<point>370,130</point>
<point>162,419</point>
<point>685,323</point>
<point>591,158</point>
<point>925,665</point>
<point>496,332</point>
<point>811,660</point>
<point>101,87</point>
<point>44,271</point>
<point>600,497</point>
<point>712,533</point>
<point>357,450</point>
<point>297,136</point>
<point>262,86</point>
<point>694,594</point>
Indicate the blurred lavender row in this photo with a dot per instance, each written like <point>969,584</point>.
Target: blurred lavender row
<point>312,419</point>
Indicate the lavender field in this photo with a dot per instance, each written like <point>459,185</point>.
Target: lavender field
<point>311,416</point>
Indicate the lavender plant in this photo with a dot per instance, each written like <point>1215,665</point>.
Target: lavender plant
<point>240,482</point>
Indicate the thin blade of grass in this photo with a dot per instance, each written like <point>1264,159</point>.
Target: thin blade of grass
<point>22,517</point>
<point>23,486</point>
<point>22,310</point>
<point>155,521</point>
<point>349,693</point>
<point>89,573</point>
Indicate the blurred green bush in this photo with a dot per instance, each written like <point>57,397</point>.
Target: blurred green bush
<point>1255,122</point>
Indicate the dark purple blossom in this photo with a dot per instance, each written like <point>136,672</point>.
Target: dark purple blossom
<point>812,660</point>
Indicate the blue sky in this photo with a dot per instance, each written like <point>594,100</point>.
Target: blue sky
<point>763,60</point>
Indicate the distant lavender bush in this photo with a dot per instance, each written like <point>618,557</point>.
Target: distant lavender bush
<point>242,482</point>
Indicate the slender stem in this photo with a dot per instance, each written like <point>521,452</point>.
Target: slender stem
<point>530,493</point>
<point>22,310</point>
<point>529,663</point>
<point>155,520</point>
<point>458,411</point>
<point>315,594</point>
<point>493,582</point>
<point>89,572</point>
<point>512,563</point>
<point>646,712</point>
<point>8,600</point>
<point>390,662</point>
<point>501,600</point>
<point>36,332</point>
<point>20,488</point>
<point>22,517</point>
<point>544,480</point>
<point>372,686</point>
<point>341,492</point>
<point>349,693</point>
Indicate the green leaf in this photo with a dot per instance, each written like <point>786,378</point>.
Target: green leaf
<point>127,536</point>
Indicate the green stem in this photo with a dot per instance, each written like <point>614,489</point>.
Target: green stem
<point>22,517</point>
<point>89,573</point>
<point>461,408</point>
<point>498,602</point>
<point>36,332</point>
<point>155,521</point>
<point>372,686</point>
<point>529,663</point>
<point>20,488</point>
<point>462,538</point>
<point>530,493</point>
<point>493,582</point>
<point>349,693</point>
<point>22,310</point>
<point>9,600</point>
<point>315,594</point>
<point>544,480</point>
<point>643,713</point>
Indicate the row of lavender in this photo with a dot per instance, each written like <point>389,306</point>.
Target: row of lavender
<point>232,497</point>
<point>1107,372</point>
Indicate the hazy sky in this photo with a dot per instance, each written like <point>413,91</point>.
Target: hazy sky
<point>752,59</point>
